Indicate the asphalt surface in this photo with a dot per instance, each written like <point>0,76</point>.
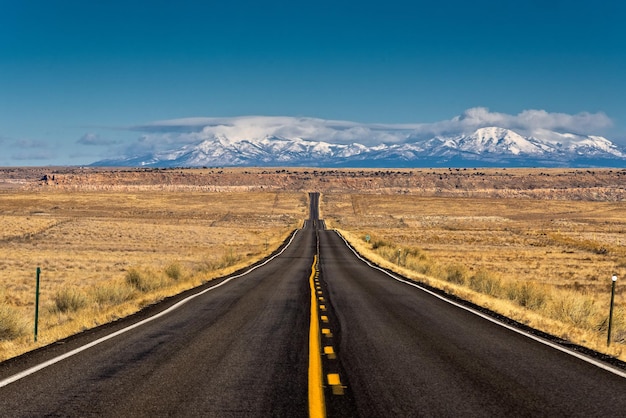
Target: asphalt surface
<point>406,353</point>
<point>241,350</point>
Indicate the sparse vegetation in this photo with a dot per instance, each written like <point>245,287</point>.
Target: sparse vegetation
<point>536,245</point>
<point>111,294</point>
<point>456,273</point>
<point>68,299</point>
<point>144,281</point>
<point>12,323</point>
<point>174,271</point>
<point>546,263</point>
<point>487,283</point>
<point>105,254</point>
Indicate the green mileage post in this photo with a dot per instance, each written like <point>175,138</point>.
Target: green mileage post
<point>37,302</point>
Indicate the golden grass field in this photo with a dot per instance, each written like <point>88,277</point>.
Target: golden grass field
<point>106,254</point>
<point>546,263</point>
<point>536,245</point>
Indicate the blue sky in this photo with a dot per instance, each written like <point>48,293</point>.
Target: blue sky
<point>78,77</point>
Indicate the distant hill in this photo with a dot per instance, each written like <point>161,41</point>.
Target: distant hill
<point>601,184</point>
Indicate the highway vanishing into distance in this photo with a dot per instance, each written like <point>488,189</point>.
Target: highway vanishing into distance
<point>313,331</point>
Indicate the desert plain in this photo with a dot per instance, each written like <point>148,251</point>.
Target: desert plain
<point>537,245</point>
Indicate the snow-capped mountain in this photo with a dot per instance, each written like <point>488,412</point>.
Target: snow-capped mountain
<point>489,146</point>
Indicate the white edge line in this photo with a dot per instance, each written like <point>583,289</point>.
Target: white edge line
<point>172,308</point>
<point>583,357</point>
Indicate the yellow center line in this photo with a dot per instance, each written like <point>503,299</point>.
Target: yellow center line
<point>317,407</point>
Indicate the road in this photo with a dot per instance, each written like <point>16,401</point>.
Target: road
<point>407,353</point>
<point>240,349</point>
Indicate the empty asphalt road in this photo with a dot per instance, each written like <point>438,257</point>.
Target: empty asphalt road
<point>241,349</point>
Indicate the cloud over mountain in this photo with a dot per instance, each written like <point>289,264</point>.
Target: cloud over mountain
<point>160,135</point>
<point>478,137</point>
<point>527,122</point>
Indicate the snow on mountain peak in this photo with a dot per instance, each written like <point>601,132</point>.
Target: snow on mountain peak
<point>493,132</point>
<point>487,145</point>
<point>496,140</point>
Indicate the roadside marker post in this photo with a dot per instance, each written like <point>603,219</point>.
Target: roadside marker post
<point>37,302</point>
<point>608,338</point>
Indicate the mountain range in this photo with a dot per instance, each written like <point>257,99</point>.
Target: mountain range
<point>484,147</point>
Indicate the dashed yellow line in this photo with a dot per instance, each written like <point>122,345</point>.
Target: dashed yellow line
<point>317,407</point>
<point>333,379</point>
<point>335,383</point>
<point>329,351</point>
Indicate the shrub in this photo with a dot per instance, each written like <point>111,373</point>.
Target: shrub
<point>12,324</point>
<point>412,264</point>
<point>173,271</point>
<point>133,278</point>
<point>112,294</point>
<point>576,309</point>
<point>69,300</point>
<point>379,244</point>
<point>426,269</point>
<point>486,283</point>
<point>388,253</point>
<point>143,281</point>
<point>227,260</point>
<point>455,274</point>
<point>414,253</point>
<point>526,295</point>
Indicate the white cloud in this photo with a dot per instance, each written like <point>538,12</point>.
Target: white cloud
<point>583,123</point>
<point>162,134</point>
<point>526,122</point>
<point>29,143</point>
<point>91,138</point>
<point>253,127</point>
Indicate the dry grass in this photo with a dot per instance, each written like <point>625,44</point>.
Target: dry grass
<point>104,255</point>
<point>546,263</point>
<point>536,245</point>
